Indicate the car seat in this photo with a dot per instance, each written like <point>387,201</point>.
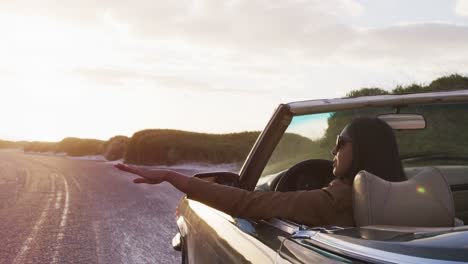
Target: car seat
<point>425,200</point>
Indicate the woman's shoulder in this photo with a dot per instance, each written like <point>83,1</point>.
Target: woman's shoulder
<point>339,183</point>
<point>339,189</point>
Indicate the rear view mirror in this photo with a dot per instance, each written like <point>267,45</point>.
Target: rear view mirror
<point>404,121</point>
<point>224,178</point>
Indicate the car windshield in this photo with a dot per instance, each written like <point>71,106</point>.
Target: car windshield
<point>442,143</point>
<point>444,140</point>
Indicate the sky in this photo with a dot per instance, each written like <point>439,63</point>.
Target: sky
<point>95,69</point>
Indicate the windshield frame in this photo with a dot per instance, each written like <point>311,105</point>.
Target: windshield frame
<point>274,130</point>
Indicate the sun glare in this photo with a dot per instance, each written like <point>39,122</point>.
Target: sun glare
<point>172,65</point>
<point>40,58</point>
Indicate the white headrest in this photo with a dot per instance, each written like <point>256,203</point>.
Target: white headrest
<point>425,200</point>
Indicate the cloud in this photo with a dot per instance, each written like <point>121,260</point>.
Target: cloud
<point>354,8</point>
<point>426,42</point>
<point>214,45</point>
<point>461,8</point>
<point>6,72</point>
<point>176,82</point>
<point>106,76</point>
<point>248,24</point>
<point>115,77</point>
<point>298,31</point>
<point>257,25</point>
<point>314,31</point>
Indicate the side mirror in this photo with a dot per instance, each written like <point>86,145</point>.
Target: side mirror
<point>224,178</point>
<point>404,121</point>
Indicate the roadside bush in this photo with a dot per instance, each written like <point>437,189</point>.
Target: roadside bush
<point>80,147</point>
<point>115,148</point>
<point>446,83</point>
<point>37,146</point>
<point>11,144</point>
<point>167,147</point>
<point>444,122</point>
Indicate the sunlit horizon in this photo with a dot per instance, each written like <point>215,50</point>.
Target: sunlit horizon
<point>100,69</point>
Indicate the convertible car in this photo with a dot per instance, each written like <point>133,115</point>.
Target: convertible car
<point>421,220</point>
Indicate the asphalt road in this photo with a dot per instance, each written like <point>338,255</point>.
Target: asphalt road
<point>59,210</point>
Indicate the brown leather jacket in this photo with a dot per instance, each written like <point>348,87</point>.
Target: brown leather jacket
<point>331,205</point>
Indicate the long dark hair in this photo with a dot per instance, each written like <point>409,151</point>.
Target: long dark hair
<point>374,149</point>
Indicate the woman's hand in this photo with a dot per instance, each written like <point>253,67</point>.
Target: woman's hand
<point>146,175</point>
<point>178,180</point>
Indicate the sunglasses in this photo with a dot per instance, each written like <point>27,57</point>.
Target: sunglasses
<point>340,142</point>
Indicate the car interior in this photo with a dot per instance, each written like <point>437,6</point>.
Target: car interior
<point>423,216</point>
<point>431,197</point>
<point>393,217</point>
<point>436,192</point>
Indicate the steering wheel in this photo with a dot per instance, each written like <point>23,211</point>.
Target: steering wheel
<point>306,175</point>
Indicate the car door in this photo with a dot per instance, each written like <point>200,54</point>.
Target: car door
<point>215,237</point>
<point>295,250</point>
<point>297,247</point>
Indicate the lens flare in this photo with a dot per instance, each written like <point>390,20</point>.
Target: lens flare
<point>421,190</point>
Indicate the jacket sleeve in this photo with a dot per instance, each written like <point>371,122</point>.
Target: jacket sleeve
<point>315,207</point>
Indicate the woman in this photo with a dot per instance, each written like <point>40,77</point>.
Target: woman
<point>364,144</point>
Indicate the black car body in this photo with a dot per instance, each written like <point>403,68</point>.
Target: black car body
<point>210,236</point>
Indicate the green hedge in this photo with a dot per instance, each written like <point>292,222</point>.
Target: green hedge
<point>12,144</point>
<point>163,146</point>
<point>115,148</point>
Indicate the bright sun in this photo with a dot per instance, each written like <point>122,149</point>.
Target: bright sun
<point>40,58</point>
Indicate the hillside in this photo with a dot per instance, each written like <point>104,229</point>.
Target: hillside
<point>443,122</point>
<point>6,144</point>
<point>169,147</point>
<point>155,147</point>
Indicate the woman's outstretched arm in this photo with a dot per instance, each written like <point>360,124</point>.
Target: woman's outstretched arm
<point>327,206</point>
<point>157,176</point>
